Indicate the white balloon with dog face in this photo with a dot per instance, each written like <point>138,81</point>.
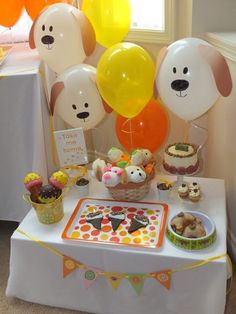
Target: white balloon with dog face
<point>191,75</point>
<point>75,97</point>
<point>63,36</point>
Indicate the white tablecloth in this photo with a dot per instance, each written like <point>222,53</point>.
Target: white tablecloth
<point>24,128</point>
<point>36,273</point>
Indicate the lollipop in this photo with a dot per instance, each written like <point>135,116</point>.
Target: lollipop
<point>48,194</point>
<point>59,179</point>
<point>33,182</point>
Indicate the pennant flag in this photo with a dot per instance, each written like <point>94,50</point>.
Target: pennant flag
<point>114,279</point>
<point>90,275</point>
<point>163,277</point>
<point>136,281</point>
<point>69,264</point>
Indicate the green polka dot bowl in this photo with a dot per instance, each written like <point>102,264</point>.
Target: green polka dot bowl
<point>49,213</point>
<point>193,244</point>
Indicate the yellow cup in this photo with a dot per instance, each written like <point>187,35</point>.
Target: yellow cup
<point>47,213</point>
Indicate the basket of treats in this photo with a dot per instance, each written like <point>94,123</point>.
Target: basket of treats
<point>126,176</point>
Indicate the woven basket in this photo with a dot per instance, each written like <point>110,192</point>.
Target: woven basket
<point>131,191</point>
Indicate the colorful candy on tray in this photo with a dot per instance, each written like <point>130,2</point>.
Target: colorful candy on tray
<point>44,194</point>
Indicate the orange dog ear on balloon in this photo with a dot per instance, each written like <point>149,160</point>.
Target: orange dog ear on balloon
<point>63,36</point>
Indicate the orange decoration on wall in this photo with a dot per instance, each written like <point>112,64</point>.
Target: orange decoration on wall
<point>33,7</point>
<point>148,130</point>
<point>10,12</point>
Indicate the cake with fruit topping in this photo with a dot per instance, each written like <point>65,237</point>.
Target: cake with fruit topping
<point>181,158</point>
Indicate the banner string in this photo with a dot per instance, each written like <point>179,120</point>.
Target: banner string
<point>188,267</point>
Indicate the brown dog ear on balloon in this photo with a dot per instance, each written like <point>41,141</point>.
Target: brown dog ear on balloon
<point>219,69</point>
<point>75,98</point>
<point>63,36</point>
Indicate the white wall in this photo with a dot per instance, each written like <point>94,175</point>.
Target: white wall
<point>221,148</point>
<point>213,16</point>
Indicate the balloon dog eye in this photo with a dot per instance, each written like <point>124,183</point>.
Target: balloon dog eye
<point>43,28</point>
<point>86,105</point>
<point>74,106</point>
<point>185,70</point>
<point>50,28</point>
<point>174,70</point>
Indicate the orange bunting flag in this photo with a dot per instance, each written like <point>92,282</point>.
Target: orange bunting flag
<point>114,279</point>
<point>69,264</point>
<point>137,281</point>
<point>163,277</point>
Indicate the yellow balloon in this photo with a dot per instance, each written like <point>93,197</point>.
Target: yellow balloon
<point>110,19</point>
<point>125,78</point>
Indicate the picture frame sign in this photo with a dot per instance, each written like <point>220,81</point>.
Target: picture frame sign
<point>71,147</point>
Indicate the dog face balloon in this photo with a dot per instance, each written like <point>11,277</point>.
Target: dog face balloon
<point>75,97</point>
<point>191,75</point>
<point>63,36</point>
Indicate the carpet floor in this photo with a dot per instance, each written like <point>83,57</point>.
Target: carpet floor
<point>17,306</point>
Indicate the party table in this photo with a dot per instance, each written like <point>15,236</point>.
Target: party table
<point>24,127</point>
<point>38,252</point>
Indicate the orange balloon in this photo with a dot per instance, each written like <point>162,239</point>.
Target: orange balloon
<point>148,129</point>
<point>33,7</point>
<point>10,12</point>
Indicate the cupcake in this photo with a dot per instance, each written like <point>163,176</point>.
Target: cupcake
<point>183,190</point>
<point>137,222</point>
<point>95,219</point>
<point>59,179</point>
<point>48,194</point>
<point>194,195</point>
<point>194,185</point>
<point>116,219</point>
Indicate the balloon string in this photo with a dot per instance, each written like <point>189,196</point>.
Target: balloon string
<point>97,153</point>
<point>186,133</point>
<point>53,141</point>
<point>196,126</point>
<point>129,132</point>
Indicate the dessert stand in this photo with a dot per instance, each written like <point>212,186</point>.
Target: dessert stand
<point>180,178</point>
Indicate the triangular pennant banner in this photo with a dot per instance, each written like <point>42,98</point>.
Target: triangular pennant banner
<point>69,264</point>
<point>114,279</point>
<point>90,275</point>
<point>164,277</point>
<point>137,281</point>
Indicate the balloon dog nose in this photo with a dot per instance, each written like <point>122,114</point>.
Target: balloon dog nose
<point>179,85</point>
<point>83,115</point>
<point>47,40</point>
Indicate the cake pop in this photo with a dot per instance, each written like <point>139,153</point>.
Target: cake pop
<point>33,182</point>
<point>59,179</point>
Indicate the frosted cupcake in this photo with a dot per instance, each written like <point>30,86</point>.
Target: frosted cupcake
<point>194,185</point>
<point>194,195</point>
<point>183,190</point>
